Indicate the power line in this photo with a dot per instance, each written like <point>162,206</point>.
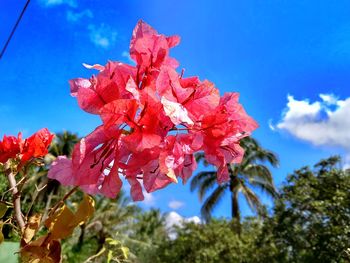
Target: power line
<point>14,29</point>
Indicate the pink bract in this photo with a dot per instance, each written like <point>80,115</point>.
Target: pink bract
<point>154,121</point>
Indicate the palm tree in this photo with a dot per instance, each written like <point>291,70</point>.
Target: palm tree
<point>63,144</point>
<point>252,174</point>
<point>149,231</point>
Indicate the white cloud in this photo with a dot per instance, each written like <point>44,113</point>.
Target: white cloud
<point>53,3</point>
<point>76,16</point>
<point>323,123</point>
<point>149,200</point>
<point>174,204</point>
<point>102,36</point>
<point>174,219</point>
<point>329,98</point>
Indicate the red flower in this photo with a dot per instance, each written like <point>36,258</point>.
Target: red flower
<point>33,147</point>
<point>10,146</point>
<point>36,145</point>
<point>154,120</point>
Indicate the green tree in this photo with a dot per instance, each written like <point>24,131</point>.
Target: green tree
<point>250,175</point>
<point>213,242</point>
<point>63,144</point>
<point>311,221</point>
<point>148,233</point>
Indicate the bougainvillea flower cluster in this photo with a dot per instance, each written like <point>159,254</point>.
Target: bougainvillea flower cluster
<point>35,146</point>
<point>154,120</point>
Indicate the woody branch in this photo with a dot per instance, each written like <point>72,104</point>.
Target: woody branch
<point>16,197</point>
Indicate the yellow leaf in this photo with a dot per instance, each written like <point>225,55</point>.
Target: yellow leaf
<point>85,210</point>
<point>61,223</point>
<point>31,228</point>
<point>3,209</point>
<point>42,250</point>
<point>1,235</point>
<point>125,252</point>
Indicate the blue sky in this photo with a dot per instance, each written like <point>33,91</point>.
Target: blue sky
<point>265,50</point>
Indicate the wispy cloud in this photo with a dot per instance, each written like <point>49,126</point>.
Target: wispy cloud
<point>77,16</point>
<point>324,122</point>
<point>102,36</point>
<point>53,3</point>
<point>175,204</point>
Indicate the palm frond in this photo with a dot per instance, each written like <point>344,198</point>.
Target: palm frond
<point>206,185</point>
<point>258,171</point>
<point>212,201</point>
<point>199,156</point>
<point>265,187</point>
<point>199,178</point>
<point>252,199</point>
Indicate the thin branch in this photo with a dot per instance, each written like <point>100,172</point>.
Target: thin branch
<point>47,207</point>
<point>64,199</point>
<point>103,249</point>
<point>16,196</point>
<point>38,190</point>
<point>11,189</point>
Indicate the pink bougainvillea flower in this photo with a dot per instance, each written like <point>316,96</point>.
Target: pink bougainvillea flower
<point>222,131</point>
<point>33,147</point>
<point>107,86</point>
<point>177,155</point>
<point>92,164</point>
<point>150,50</point>
<point>176,112</point>
<point>154,121</point>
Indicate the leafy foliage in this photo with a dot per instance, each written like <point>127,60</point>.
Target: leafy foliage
<point>212,242</point>
<point>148,233</point>
<point>312,217</point>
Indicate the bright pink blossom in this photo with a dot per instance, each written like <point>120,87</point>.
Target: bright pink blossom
<point>154,121</point>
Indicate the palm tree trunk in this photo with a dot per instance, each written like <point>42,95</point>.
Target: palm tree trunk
<point>235,212</point>
<point>235,207</point>
<point>234,194</point>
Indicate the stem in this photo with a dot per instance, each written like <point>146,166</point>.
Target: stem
<point>16,200</point>
<point>47,207</point>
<point>81,236</point>
<point>64,199</point>
<point>99,253</point>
